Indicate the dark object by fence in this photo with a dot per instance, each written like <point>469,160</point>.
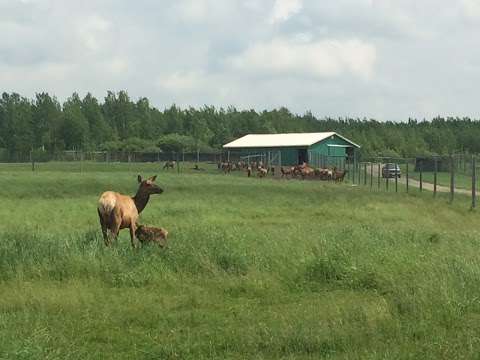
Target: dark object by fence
<point>435,179</point>
<point>428,164</point>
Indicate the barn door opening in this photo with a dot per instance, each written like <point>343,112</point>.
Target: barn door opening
<point>302,156</point>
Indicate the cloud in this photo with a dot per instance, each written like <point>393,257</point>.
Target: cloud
<point>182,81</point>
<point>284,9</point>
<point>377,58</point>
<point>471,8</point>
<point>319,59</point>
<point>91,31</point>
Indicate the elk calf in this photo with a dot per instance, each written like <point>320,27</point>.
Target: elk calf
<point>152,234</point>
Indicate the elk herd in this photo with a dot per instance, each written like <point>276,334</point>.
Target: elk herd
<point>302,171</point>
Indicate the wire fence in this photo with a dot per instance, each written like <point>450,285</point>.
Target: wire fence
<point>452,175</point>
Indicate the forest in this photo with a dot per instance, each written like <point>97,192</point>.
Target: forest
<point>44,124</point>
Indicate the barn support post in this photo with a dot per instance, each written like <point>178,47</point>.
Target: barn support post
<point>435,177</point>
<point>452,179</point>
<point>228,156</point>
<point>474,184</point>
<point>279,158</point>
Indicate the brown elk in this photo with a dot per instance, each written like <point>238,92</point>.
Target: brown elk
<point>169,165</point>
<point>152,234</point>
<point>117,211</point>
<point>339,175</point>
<point>262,172</point>
<point>286,172</point>
<point>307,171</point>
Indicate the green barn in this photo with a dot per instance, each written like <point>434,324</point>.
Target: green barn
<point>318,149</point>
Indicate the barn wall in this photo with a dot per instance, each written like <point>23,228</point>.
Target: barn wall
<point>322,155</point>
<point>323,148</point>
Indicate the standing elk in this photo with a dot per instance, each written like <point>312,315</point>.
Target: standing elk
<point>338,176</point>
<point>169,165</point>
<point>117,211</point>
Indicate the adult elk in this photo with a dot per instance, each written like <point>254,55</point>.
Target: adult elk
<point>169,165</point>
<point>117,211</point>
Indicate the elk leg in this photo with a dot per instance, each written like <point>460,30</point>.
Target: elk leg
<point>115,226</point>
<point>104,228</point>
<point>132,235</point>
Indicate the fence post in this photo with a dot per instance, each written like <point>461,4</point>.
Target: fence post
<point>406,176</point>
<point>32,160</point>
<point>354,168</point>
<point>396,179</point>
<point>452,179</point>
<point>435,178</point>
<point>378,175</point>
<point>81,162</point>
<point>421,176</point>
<point>387,178</point>
<point>474,184</point>
<point>365,174</point>
<point>371,175</point>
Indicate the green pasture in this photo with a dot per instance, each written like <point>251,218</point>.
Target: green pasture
<point>255,269</point>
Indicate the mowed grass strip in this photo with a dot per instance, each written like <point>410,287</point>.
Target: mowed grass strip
<point>254,269</point>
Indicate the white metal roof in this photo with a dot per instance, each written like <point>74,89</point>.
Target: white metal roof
<point>281,140</point>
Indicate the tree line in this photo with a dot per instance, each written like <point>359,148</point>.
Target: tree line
<point>43,124</point>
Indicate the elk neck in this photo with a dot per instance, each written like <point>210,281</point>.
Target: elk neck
<point>141,200</point>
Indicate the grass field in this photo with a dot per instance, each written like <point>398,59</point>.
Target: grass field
<point>255,269</point>
<point>443,178</point>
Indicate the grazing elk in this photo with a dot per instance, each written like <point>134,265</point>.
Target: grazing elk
<point>226,167</point>
<point>117,211</point>
<point>169,165</point>
<point>307,171</point>
<point>262,172</point>
<point>286,172</point>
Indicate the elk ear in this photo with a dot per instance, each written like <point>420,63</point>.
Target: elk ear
<point>139,178</point>
<point>153,178</point>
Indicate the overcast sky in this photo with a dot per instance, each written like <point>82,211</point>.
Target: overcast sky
<point>386,59</point>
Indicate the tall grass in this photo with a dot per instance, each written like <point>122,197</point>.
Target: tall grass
<point>254,269</point>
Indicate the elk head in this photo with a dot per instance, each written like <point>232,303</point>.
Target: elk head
<point>148,186</point>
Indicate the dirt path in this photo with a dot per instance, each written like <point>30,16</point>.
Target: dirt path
<point>425,185</point>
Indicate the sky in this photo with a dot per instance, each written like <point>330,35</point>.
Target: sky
<point>382,59</point>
